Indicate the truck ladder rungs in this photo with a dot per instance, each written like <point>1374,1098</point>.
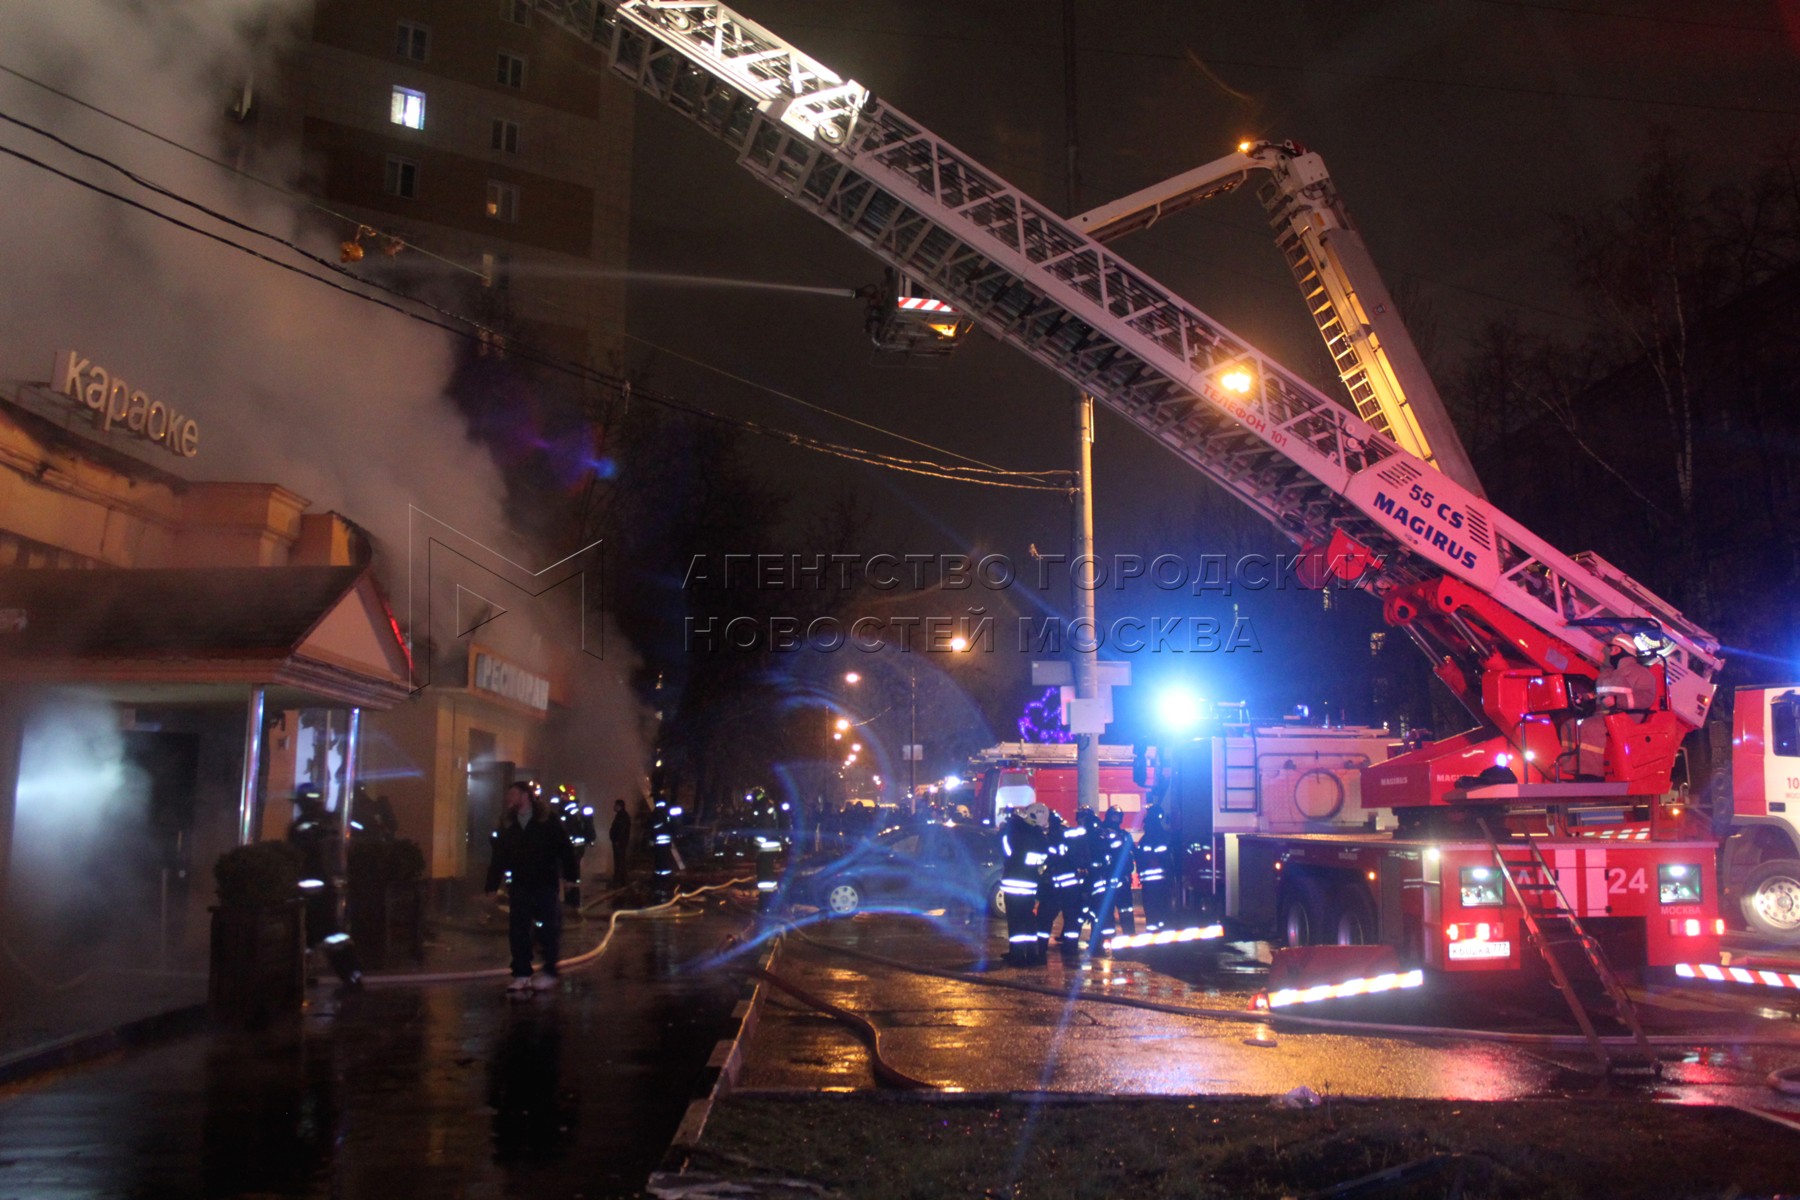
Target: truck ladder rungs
<point>1646,1062</point>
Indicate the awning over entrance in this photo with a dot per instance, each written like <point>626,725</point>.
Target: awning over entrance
<point>308,635</point>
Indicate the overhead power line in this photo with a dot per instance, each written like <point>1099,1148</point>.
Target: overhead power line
<point>290,193</point>
<point>465,327</point>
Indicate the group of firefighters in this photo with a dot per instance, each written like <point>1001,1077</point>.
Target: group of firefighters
<point>1080,873</point>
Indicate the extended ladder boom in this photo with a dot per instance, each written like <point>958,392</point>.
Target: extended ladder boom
<point>1323,476</point>
<point>1369,344</point>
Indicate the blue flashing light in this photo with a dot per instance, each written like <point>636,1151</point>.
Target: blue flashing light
<point>1178,709</point>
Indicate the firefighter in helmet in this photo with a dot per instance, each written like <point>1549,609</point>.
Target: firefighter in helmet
<point>1155,870</point>
<point>662,848</point>
<point>1026,848</point>
<point>316,834</point>
<point>765,825</point>
<point>1065,892</point>
<point>1110,884</point>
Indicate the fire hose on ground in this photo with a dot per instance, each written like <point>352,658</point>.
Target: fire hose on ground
<point>574,963</point>
<point>1323,1024</point>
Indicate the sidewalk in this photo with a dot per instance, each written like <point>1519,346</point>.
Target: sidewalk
<point>48,1023</point>
<point>446,1090</point>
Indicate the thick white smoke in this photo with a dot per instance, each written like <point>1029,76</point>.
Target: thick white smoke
<point>290,382</point>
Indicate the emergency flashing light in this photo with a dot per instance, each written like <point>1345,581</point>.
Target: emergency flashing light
<point>952,781</point>
<point>1178,709</point>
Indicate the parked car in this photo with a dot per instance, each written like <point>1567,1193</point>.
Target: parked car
<point>914,868</point>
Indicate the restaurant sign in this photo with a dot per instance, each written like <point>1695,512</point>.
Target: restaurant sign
<point>508,681</point>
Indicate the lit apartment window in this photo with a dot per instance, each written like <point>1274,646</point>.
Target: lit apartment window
<point>402,177</point>
<point>506,136</point>
<point>502,201</point>
<point>516,11</point>
<point>511,70</point>
<point>412,41</point>
<point>408,108</point>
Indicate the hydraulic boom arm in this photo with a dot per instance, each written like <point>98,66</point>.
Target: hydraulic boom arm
<point>1369,344</point>
<point>1505,616</point>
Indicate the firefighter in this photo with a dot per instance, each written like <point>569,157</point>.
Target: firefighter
<point>578,823</point>
<point>1065,893</point>
<point>316,834</point>
<point>1086,848</point>
<point>1110,885</point>
<point>765,822</point>
<point>1626,686</point>
<point>1025,848</point>
<point>662,850</point>
<point>1155,870</point>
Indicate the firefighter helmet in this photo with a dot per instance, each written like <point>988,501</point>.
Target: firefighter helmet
<point>1037,814</point>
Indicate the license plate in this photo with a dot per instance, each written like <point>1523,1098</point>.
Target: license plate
<point>1480,950</point>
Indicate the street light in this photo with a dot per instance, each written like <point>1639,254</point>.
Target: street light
<point>958,645</point>
<point>852,677</point>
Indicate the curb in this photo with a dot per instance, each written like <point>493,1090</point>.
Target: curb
<point>716,1081</point>
<point>98,1043</point>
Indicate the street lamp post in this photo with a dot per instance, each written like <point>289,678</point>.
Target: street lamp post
<point>957,645</point>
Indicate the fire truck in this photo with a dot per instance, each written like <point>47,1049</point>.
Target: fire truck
<point>1554,810</point>
<point>1014,774</point>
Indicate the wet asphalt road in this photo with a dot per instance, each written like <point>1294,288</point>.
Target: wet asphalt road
<point>445,1091</point>
<point>971,1037</point>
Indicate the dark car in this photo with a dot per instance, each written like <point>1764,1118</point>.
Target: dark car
<point>914,868</point>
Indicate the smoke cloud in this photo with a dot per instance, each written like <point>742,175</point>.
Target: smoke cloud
<point>333,397</point>
<point>290,382</point>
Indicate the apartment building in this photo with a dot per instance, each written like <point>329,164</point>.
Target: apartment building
<point>485,135</point>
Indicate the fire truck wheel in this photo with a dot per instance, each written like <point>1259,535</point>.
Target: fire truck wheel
<point>1771,900</point>
<point>1352,915</point>
<point>1304,912</point>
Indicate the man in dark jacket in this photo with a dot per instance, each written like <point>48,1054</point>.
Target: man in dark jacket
<point>619,834</point>
<point>533,858</point>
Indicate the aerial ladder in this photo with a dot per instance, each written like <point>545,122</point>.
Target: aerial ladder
<point>1516,629</point>
<point>1370,347</point>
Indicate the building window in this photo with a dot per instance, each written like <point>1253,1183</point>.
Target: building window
<point>412,41</point>
<point>511,70</point>
<point>1377,640</point>
<point>506,136</point>
<point>502,201</point>
<point>402,177</point>
<point>516,11</point>
<point>408,108</point>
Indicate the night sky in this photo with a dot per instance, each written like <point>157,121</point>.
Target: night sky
<point>1456,130</point>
